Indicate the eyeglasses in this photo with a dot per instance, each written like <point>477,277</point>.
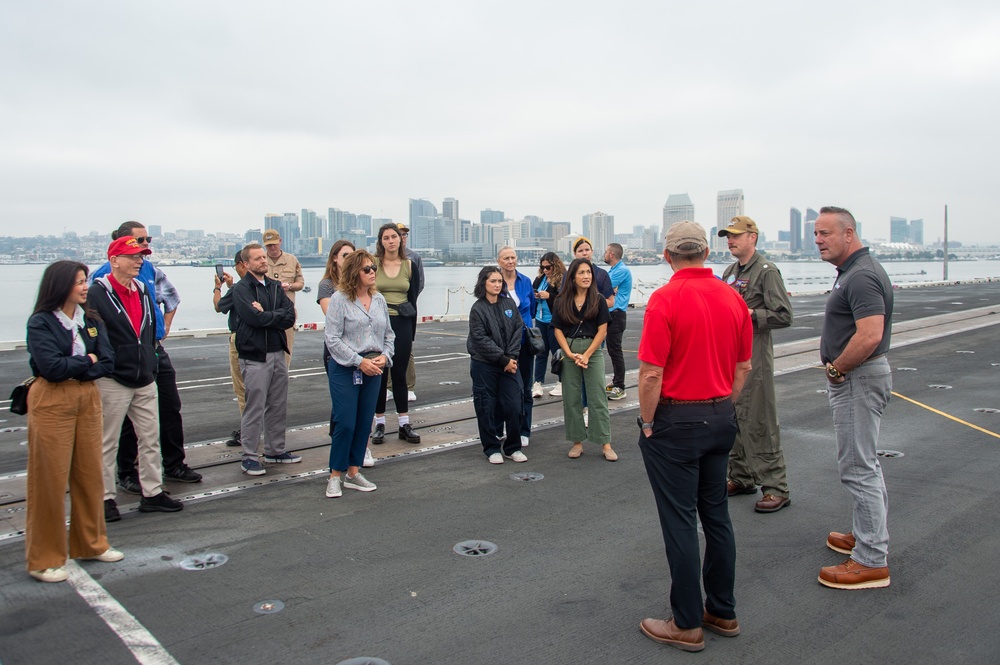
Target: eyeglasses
<point>145,239</point>
<point>134,257</point>
<point>548,267</point>
<point>369,270</point>
<point>404,233</point>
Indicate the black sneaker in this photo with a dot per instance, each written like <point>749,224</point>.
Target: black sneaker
<point>378,436</point>
<point>162,503</point>
<point>130,485</point>
<point>407,434</point>
<point>183,474</point>
<point>234,439</point>
<point>111,513</point>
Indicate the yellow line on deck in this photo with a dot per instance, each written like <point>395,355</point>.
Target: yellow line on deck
<point>949,417</point>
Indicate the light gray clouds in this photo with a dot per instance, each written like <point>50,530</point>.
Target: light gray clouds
<point>209,114</point>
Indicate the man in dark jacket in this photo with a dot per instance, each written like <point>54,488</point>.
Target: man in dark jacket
<point>263,313</point>
<point>127,309</point>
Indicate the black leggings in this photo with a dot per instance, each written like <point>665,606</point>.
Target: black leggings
<point>403,327</point>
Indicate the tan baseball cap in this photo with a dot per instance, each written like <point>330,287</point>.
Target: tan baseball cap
<point>687,233</point>
<point>271,237</point>
<point>739,225</point>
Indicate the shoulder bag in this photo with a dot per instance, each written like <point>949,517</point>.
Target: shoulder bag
<point>19,397</point>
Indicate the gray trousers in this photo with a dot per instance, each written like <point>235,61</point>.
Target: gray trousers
<point>857,406</point>
<point>265,386</point>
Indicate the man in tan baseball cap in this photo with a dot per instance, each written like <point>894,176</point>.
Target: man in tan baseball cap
<point>283,267</point>
<point>756,457</point>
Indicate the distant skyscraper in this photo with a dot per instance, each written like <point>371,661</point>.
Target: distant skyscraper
<point>449,210</point>
<point>728,204</point>
<point>289,230</point>
<point>811,216</point>
<point>350,221</point>
<point>899,230</point>
<point>335,224</point>
<point>272,221</point>
<point>254,235</point>
<point>916,233</point>
<point>310,224</point>
<point>677,209</point>
<point>365,223</point>
<point>808,240</point>
<point>794,230</point>
<point>423,219</point>
<point>600,229</point>
<point>490,216</point>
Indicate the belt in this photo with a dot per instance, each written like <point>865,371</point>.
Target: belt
<point>711,400</point>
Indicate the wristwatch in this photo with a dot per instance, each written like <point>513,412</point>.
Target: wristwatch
<point>833,372</point>
<point>642,425</point>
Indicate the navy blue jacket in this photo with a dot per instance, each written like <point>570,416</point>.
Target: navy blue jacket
<point>135,357</point>
<point>51,349</point>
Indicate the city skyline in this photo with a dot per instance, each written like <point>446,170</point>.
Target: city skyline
<point>175,115</point>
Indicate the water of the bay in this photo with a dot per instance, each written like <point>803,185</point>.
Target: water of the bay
<point>449,289</point>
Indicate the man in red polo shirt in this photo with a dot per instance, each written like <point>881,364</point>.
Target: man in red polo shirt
<point>694,357</point>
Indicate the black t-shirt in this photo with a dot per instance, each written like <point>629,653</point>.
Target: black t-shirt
<point>589,326</point>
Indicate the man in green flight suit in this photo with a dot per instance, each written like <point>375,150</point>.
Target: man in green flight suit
<point>756,457</point>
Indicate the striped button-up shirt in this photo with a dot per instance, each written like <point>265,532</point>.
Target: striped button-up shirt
<point>352,332</point>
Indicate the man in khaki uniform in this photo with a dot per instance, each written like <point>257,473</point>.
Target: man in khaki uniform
<point>756,457</point>
<point>284,267</point>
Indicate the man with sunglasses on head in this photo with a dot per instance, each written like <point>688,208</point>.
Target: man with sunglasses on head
<point>171,424</point>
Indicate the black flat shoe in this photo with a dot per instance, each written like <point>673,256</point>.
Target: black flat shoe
<point>407,434</point>
<point>378,436</point>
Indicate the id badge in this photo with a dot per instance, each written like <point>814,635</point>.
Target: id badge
<point>358,378</point>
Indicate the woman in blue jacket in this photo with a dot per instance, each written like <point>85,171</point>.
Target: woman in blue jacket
<point>494,345</point>
<point>518,287</point>
<point>68,349</point>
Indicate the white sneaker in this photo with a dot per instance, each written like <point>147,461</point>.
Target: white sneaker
<point>518,456</point>
<point>360,483</point>
<point>411,396</point>
<point>369,459</point>
<point>536,389</point>
<point>109,556</point>
<point>557,391</point>
<point>524,441</point>
<point>333,488</point>
<point>496,458</point>
<point>49,575</point>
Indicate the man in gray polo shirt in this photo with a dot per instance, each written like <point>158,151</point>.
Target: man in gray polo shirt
<point>856,332</point>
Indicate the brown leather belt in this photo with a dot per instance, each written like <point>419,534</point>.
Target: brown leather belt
<point>713,400</point>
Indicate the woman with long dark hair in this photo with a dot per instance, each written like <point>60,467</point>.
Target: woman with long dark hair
<point>397,283</point>
<point>546,287</point>
<point>494,345</point>
<point>360,341</point>
<point>580,319</point>
<point>68,350</point>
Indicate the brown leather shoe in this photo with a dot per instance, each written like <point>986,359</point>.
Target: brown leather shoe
<point>771,503</point>
<point>736,488</point>
<point>841,542</point>
<point>724,627</point>
<point>667,632</point>
<point>852,575</point>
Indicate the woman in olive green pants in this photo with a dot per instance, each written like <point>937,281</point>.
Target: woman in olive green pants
<point>580,318</point>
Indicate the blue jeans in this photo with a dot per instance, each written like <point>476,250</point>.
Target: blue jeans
<point>542,361</point>
<point>857,406</point>
<point>351,415</point>
<point>686,458</point>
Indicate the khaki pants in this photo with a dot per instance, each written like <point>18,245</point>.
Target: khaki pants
<point>234,371</point>
<point>64,447</point>
<point>289,339</point>
<point>140,405</point>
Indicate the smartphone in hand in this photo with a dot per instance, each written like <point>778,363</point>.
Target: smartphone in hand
<point>220,273</point>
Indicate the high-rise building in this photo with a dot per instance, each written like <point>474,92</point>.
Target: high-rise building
<point>310,224</point>
<point>794,230</point>
<point>449,211</point>
<point>600,229</point>
<point>424,226</point>
<point>916,231</point>
<point>809,242</point>
<point>811,216</point>
<point>272,221</point>
<point>335,224</point>
<point>365,223</point>
<point>678,208</point>
<point>728,204</point>
<point>899,230</point>
<point>490,216</point>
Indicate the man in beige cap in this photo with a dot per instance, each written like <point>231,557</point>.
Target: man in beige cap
<point>694,356</point>
<point>283,267</point>
<point>756,458</point>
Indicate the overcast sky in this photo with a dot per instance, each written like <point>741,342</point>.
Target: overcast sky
<point>209,115</point>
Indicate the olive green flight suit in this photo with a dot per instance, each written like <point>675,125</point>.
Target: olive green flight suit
<point>756,457</point>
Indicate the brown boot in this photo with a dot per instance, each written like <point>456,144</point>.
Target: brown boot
<point>724,627</point>
<point>667,632</point>
<point>852,575</point>
<point>841,542</point>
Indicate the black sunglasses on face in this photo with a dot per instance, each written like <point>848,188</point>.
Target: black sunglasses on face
<point>369,269</point>
<point>145,239</point>
<point>549,267</point>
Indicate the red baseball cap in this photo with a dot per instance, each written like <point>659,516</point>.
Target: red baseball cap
<point>127,245</point>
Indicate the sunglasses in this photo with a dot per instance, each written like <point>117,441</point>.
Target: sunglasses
<point>548,267</point>
<point>369,270</point>
<point>145,239</point>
